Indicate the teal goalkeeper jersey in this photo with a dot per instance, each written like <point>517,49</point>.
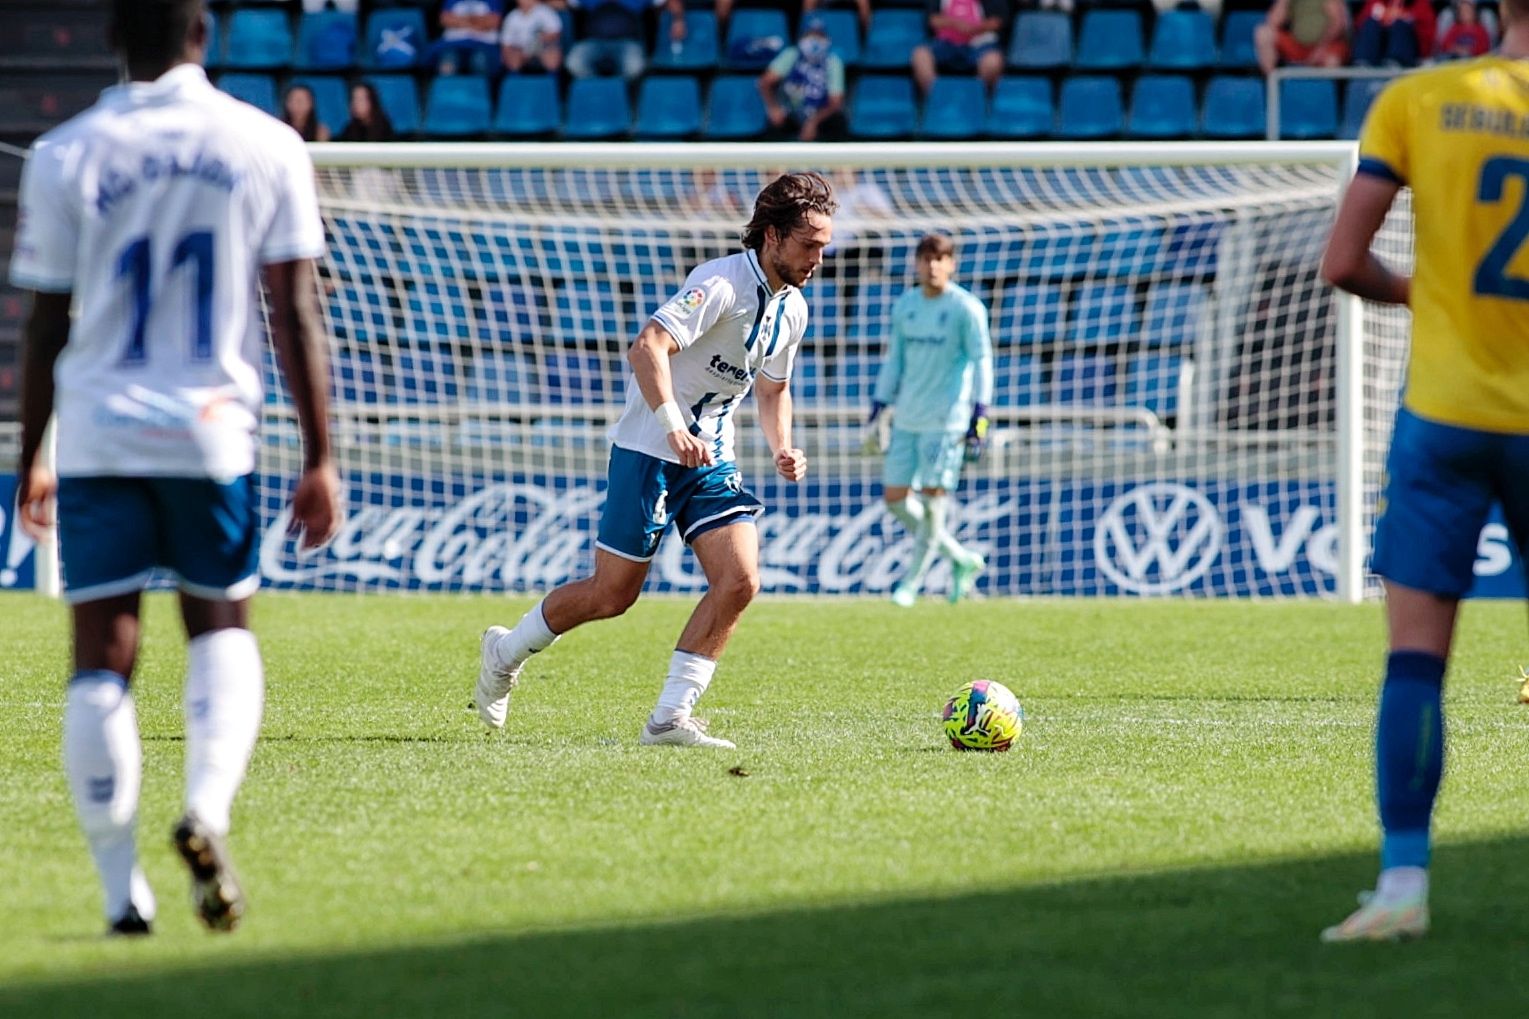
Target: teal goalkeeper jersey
<point>939,363</point>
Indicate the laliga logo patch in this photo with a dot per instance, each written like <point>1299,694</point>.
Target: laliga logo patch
<point>689,301</point>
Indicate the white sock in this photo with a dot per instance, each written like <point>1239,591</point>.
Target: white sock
<point>689,675</point>
<point>530,635</point>
<point>1402,884</point>
<point>103,758</point>
<point>225,692</point>
<point>909,510</point>
<point>940,536</point>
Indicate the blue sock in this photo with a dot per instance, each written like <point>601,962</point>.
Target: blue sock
<point>1409,755</point>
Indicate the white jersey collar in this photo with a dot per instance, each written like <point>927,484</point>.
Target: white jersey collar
<point>178,79</point>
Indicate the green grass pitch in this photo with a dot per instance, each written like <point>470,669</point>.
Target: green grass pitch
<point>1188,805</point>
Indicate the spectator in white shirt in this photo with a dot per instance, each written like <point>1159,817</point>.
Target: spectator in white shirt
<point>531,37</point>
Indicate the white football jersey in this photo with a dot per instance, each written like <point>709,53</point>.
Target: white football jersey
<point>157,208</point>
<point>730,327</point>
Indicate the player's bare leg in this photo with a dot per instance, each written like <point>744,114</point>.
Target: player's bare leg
<point>502,653</point>
<point>730,558</point>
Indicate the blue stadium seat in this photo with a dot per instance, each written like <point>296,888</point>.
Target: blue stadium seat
<point>511,314</point>
<point>1153,382</point>
<point>1104,313</point>
<point>698,50</point>
<point>326,41</point>
<point>1017,380</point>
<point>954,108</point>
<point>1162,106</point>
<point>1357,97</point>
<point>357,376</point>
<point>1042,41</point>
<point>214,58</point>
<point>1175,315</point>
<point>1308,108</point>
<point>1031,314</point>
<point>752,37</point>
<point>571,377</point>
<point>528,105</point>
<point>586,312</point>
<point>331,99</point>
<point>395,38</point>
<point>500,377</point>
<point>668,107</point>
<point>806,377</point>
<point>1233,107</point>
<point>425,375</point>
<point>258,38</point>
<point>259,90</point>
<point>733,108</point>
<point>1085,379</point>
<point>400,100</point>
<point>1110,40</point>
<point>1184,40</point>
<point>853,379</point>
<point>1021,108</point>
<point>881,106</point>
<point>597,108</point>
<point>457,107</point>
<point>844,31</point>
<point>823,309</point>
<point>1237,28</point>
<point>1090,107</point>
<point>890,40</point>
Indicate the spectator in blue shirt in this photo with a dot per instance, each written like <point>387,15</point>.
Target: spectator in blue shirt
<point>612,38</point>
<point>803,88</point>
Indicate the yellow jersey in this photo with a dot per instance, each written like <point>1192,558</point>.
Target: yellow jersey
<point>1458,135</point>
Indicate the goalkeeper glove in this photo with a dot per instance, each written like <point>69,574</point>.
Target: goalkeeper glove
<point>976,434</point>
<point>873,443</point>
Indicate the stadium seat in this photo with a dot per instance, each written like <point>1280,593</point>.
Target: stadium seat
<point>457,106</point>
<point>1175,314</point>
<point>331,99</point>
<point>754,36</point>
<point>1233,107</point>
<point>395,38</point>
<point>597,108</point>
<point>1153,382</point>
<point>1162,106</point>
<point>1089,107</point>
<point>1183,40</point>
<point>881,106</point>
<point>668,107</point>
<point>954,108</point>
<point>571,377</point>
<point>890,40</point>
<point>1110,40</point>
<point>529,105</point>
<point>1042,41</point>
<point>258,39</point>
<point>214,57</point>
<point>1308,108</point>
<point>1031,314</point>
<point>259,90</point>
<point>733,108</point>
<point>1017,380</point>
<point>853,379</point>
<point>844,30</point>
<point>357,376</point>
<point>1104,313</point>
<point>500,377</point>
<point>1021,108</point>
<point>399,96</point>
<point>1358,94</point>
<point>511,314</point>
<point>1085,379</point>
<point>823,309</point>
<point>425,375</point>
<point>806,377</point>
<point>698,50</point>
<point>1237,28</point>
<point>326,41</point>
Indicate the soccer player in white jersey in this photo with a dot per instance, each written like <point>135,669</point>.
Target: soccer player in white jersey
<point>734,326</point>
<point>153,214</point>
<point>938,379</point>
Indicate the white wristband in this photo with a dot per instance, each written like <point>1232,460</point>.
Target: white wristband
<point>670,418</point>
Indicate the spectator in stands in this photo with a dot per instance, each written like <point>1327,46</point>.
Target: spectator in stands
<point>612,39</point>
<point>314,6</point>
<point>1466,36</point>
<point>368,120</point>
<point>531,38</point>
<point>298,113</point>
<point>803,88</point>
<point>1313,33</point>
<point>1394,32</point>
<point>469,36</point>
<point>1481,15</point>
<point>965,39</point>
<point>863,7</point>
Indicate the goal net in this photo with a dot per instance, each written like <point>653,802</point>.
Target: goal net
<point>1167,418</point>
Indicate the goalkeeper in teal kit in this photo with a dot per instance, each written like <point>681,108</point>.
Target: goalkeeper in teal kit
<point>935,385</point>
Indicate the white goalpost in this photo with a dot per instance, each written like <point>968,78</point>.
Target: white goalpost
<point>1181,406</point>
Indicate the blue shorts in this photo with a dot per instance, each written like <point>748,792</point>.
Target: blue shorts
<point>923,460</point>
<point>113,532</point>
<point>954,58</point>
<point>1441,481</point>
<point>644,493</point>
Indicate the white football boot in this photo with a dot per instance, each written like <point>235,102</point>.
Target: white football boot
<point>1378,920</point>
<point>682,732</point>
<point>495,682</point>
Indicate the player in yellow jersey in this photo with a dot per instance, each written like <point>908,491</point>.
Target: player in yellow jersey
<point>1458,135</point>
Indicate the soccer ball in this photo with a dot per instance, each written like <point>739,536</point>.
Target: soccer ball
<point>983,715</point>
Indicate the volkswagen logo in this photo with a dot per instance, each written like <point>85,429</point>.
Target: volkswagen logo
<point>1158,538</point>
